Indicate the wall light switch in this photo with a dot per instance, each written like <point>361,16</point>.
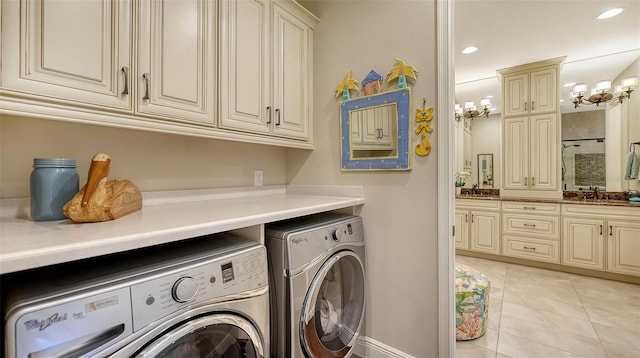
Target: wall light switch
<point>257,177</point>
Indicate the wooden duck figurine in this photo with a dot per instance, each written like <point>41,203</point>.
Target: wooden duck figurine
<point>101,199</point>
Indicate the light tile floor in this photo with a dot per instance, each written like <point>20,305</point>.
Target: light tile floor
<point>542,313</point>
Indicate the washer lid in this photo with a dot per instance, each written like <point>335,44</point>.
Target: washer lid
<point>333,307</point>
<point>217,335</point>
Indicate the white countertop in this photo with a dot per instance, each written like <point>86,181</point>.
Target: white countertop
<point>165,217</point>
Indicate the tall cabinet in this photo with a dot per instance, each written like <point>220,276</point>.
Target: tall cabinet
<point>531,129</point>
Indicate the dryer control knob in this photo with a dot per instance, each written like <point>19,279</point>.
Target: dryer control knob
<point>336,235</point>
<point>184,289</point>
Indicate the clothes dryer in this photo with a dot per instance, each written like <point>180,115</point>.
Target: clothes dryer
<point>203,297</point>
<point>318,288</point>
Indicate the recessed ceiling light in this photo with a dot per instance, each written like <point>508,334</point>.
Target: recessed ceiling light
<point>569,84</point>
<point>470,49</point>
<point>609,13</point>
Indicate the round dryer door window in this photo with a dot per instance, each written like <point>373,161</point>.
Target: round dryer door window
<point>333,307</point>
<point>215,336</point>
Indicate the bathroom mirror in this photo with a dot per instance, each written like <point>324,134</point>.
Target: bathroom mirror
<point>485,170</point>
<point>374,132</point>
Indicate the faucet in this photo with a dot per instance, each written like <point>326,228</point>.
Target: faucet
<point>595,192</point>
<point>473,189</point>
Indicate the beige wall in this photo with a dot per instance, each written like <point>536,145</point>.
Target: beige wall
<point>400,211</point>
<point>153,161</point>
<point>484,132</point>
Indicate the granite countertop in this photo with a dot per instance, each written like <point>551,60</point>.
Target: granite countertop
<point>565,200</point>
<point>165,217</point>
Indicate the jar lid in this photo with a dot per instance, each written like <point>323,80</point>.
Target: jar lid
<point>54,162</point>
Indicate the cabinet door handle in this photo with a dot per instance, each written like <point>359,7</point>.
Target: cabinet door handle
<point>600,230</point>
<point>526,181</point>
<point>125,72</point>
<point>525,106</point>
<point>530,248</point>
<point>146,86</point>
<point>533,180</point>
<point>471,217</point>
<point>610,230</point>
<point>529,208</point>
<point>530,225</point>
<point>532,105</point>
<point>277,116</point>
<point>466,218</point>
<point>268,114</point>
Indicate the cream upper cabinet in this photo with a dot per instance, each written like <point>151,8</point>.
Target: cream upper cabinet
<point>175,73</point>
<point>372,129</point>
<point>531,130</point>
<point>530,151</point>
<point>266,70</point>
<point>69,51</point>
<point>530,92</point>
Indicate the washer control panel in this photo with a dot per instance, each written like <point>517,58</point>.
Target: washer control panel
<point>171,291</point>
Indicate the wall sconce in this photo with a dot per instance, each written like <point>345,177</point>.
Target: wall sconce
<point>470,110</point>
<point>602,92</point>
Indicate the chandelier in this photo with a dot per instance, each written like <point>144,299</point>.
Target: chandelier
<point>602,92</point>
<point>470,110</point>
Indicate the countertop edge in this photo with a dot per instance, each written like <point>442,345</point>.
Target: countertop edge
<point>167,217</point>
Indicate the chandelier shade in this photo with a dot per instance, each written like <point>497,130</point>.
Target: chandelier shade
<point>602,93</point>
<point>470,110</point>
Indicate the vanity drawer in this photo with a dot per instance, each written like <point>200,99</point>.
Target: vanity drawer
<point>542,227</point>
<point>477,204</point>
<point>531,207</point>
<point>531,249</point>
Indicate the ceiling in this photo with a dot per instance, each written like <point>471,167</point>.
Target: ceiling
<point>515,32</point>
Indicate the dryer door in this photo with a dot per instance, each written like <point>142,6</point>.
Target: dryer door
<point>219,335</point>
<point>333,308</point>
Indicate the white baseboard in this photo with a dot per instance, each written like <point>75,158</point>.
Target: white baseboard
<point>370,348</point>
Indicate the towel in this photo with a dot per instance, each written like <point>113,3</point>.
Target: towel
<point>633,166</point>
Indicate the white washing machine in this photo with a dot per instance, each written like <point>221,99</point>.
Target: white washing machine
<point>318,288</point>
<point>203,297</point>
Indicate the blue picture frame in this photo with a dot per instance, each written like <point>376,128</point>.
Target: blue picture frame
<point>401,160</point>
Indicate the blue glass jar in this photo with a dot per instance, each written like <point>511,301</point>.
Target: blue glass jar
<point>54,181</point>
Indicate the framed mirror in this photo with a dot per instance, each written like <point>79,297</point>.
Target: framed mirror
<point>485,171</point>
<point>374,132</point>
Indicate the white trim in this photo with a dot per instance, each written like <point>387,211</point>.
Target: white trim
<point>370,348</point>
<point>446,168</point>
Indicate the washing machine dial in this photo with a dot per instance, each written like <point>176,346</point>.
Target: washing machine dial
<point>336,234</point>
<point>184,289</point>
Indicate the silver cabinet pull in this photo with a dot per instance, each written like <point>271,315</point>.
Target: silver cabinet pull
<point>530,248</point>
<point>146,86</point>
<point>125,72</point>
<point>277,116</point>
<point>268,114</point>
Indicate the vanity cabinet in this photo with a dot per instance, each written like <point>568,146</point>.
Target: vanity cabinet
<point>601,238</point>
<point>266,67</point>
<point>531,129</point>
<point>531,230</point>
<point>478,225</point>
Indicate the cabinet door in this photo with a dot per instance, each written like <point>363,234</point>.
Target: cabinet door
<point>623,248</point>
<point>583,243</point>
<point>485,232</point>
<point>176,57</point>
<point>468,160</point>
<point>245,65</point>
<point>516,153</point>
<point>292,79</point>
<point>543,152</point>
<point>68,50</point>
<point>543,91</point>
<point>515,94</point>
<point>462,229</point>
